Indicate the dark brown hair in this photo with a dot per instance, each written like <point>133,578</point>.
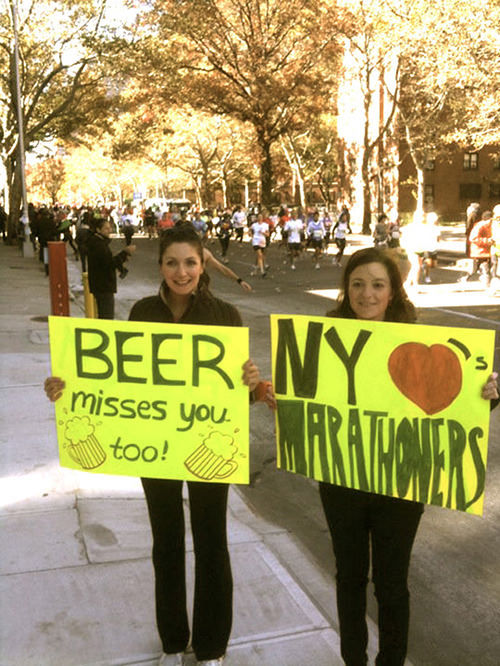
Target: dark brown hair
<point>400,308</point>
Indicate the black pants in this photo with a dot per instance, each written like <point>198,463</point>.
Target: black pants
<point>213,592</point>
<point>224,244</point>
<point>355,518</point>
<point>105,305</point>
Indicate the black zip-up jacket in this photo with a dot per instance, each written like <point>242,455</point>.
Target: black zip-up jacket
<point>205,309</point>
<point>102,264</point>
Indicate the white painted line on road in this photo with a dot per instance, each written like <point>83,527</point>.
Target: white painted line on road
<point>470,316</point>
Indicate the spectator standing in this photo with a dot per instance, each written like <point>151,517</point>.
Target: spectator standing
<point>47,231</point>
<point>184,298</point>
<point>102,267</point>
<point>83,233</point>
<point>495,248</point>
<point>480,242</point>
<point>366,526</point>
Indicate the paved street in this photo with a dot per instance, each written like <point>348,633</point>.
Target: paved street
<point>278,531</point>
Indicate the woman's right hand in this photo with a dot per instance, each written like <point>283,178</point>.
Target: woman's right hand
<point>54,387</point>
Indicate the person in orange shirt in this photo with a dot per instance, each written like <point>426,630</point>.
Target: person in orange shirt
<point>480,239</point>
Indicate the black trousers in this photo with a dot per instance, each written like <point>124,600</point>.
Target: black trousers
<point>213,591</point>
<point>356,519</point>
<point>224,244</point>
<point>105,305</point>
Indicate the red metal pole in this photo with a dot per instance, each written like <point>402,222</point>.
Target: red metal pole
<point>58,279</point>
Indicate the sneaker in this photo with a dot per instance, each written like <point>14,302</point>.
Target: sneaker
<point>427,280</point>
<point>292,267</point>
<point>176,659</point>
<point>317,266</point>
<point>212,662</point>
<point>264,274</point>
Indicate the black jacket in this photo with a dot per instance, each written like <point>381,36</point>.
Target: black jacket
<point>102,264</point>
<point>204,309</point>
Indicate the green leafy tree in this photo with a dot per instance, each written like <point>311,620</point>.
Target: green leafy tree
<point>262,62</point>
<point>65,58</point>
<point>449,77</point>
<point>46,178</point>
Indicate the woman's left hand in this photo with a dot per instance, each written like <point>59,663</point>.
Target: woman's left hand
<point>251,374</point>
<point>490,389</point>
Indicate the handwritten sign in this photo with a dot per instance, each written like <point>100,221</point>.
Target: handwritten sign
<point>152,400</point>
<point>387,408</point>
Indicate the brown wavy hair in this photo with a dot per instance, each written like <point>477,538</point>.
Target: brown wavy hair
<point>184,232</point>
<point>400,308</point>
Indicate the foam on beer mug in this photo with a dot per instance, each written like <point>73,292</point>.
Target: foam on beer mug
<point>221,445</point>
<point>79,429</point>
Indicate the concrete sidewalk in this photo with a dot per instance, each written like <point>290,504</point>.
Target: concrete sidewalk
<point>76,574</point>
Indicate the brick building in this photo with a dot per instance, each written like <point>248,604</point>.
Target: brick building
<point>451,183</point>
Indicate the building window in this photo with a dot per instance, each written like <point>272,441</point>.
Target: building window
<point>429,194</point>
<point>471,161</point>
<point>495,191</point>
<point>470,191</point>
<point>430,165</point>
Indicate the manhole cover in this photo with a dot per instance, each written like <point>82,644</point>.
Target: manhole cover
<point>40,318</point>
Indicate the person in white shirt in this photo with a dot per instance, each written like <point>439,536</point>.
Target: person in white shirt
<point>239,221</point>
<point>259,232</point>
<point>316,233</point>
<point>340,230</point>
<point>429,246</point>
<point>293,229</point>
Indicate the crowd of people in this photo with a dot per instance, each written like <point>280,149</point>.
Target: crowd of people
<point>299,232</point>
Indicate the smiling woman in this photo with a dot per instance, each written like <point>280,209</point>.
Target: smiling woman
<point>184,297</point>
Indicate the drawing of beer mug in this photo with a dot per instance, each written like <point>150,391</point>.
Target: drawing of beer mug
<point>213,458</point>
<point>88,454</point>
<point>84,447</point>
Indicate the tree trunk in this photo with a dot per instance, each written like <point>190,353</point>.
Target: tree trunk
<point>419,211</point>
<point>302,192</point>
<point>367,213</point>
<point>223,181</point>
<point>247,194</point>
<point>197,189</point>
<point>15,200</point>
<point>266,170</point>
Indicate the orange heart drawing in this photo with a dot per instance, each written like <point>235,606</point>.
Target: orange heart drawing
<point>431,377</point>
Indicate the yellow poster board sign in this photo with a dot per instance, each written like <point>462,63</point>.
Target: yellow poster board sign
<point>387,408</point>
<point>152,400</point>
